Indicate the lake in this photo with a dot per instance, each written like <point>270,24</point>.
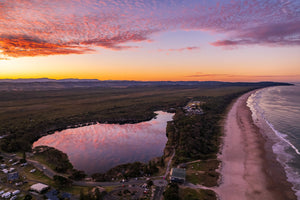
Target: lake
<point>99,147</point>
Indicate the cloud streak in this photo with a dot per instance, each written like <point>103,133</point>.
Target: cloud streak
<point>271,34</point>
<point>17,46</point>
<point>192,48</point>
<point>201,75</point>
<point>47,27</point>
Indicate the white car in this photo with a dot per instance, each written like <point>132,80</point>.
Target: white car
<point>23,164</point>
<point>11,169</point>
<point>15,192</point>
<point>13,198</point>
<point>32,171</point>
<point>1,192</point>
<point>6,195</point>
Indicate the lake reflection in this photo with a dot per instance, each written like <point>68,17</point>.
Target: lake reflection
<point>97,148</point>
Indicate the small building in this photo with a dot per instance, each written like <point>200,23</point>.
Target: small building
<point>39,187</point>
<point>12,176</point>
<point>52,194</point>
<point>177,175</point>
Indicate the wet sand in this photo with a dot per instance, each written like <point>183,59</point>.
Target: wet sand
<point>249,167</point>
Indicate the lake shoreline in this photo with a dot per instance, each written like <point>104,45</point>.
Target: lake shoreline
<point>249,166</point>
<point>101,147</point>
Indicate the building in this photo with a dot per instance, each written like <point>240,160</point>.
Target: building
<point>52,194</point>
<point>12,176</point>
<point>39,187</point>
<point>177,175</point>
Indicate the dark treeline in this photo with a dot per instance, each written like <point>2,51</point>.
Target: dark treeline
<point>130,170</point>
<point>197,136</point>
<point>54,157</point>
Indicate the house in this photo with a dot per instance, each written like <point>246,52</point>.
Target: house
<point>39,187</point>
<point>52,194</point>
<point>177,175</point>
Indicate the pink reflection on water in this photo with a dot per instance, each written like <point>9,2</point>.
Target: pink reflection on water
<point>97,148</point>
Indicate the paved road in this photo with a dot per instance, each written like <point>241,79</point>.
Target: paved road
<point>158,193</point>
<point>47,171</point>
<point>130,182</point>
<point>161,184</point>
<point>169,163</point>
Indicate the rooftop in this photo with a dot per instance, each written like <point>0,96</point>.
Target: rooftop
<point>178,173</point>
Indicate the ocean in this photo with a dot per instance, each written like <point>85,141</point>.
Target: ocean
<point>279,108</point>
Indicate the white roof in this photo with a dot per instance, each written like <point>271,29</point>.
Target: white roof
<point>39,187</point>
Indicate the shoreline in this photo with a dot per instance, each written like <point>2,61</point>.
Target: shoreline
<point>58,137</point>
<point>249,167</point>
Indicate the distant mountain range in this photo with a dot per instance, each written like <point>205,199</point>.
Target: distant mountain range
<point>43,80</point>
<point>53,84</point>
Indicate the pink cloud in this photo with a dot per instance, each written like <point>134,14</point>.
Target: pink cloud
<point>50,27</point>
<point>269,34</point>
<point>17,46</point>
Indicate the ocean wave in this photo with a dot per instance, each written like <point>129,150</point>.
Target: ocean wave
<point>283,137</point>
<point>281,145</point>
<point>254,106</point>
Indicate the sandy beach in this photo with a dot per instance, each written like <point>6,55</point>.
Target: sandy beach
<point>249,167</point>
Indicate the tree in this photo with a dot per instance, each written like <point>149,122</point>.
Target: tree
<point>23,160</point>
<point>77,175</point>
<point>149,183</point>
<point>171,192</point>
<point>28,197</point>
<point>81,195</point>
<point>61,181</point>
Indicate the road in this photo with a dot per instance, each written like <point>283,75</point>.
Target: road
<point>161,187</point>
<point>169,163</point>
<point>130,182</point>
<point>50,173</point>
<point>47,171</point>
<point>158,193</point>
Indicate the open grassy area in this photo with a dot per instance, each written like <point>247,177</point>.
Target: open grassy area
<point>75,190</point>
<point>36,176</point>
<point>191,194</point>
<point>203,173</point>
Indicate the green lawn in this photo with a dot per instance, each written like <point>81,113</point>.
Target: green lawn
<point>203,173</point>
<point>191,194</point>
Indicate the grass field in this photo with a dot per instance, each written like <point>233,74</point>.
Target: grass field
<point>203,173</point>
<point>191,194</point>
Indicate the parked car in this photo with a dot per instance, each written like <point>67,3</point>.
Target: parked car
<point>13,198</point>
<point>15,192</point>
<point>6,195</point>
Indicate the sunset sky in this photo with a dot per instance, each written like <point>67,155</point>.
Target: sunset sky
<point>225,40</point>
